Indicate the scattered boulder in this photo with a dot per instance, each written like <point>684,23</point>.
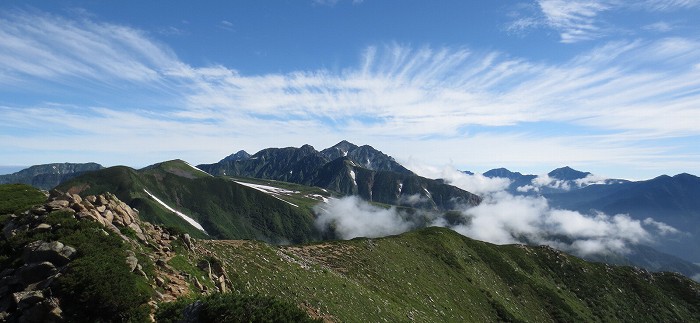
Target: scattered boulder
<point>43,227</point>
<point>57,205</point>
<point>188,241</point>
<point>132,261</point>
<point>55,252</point>
<point>26,299</point>
<point>38,210</point>
<point>36,272</point>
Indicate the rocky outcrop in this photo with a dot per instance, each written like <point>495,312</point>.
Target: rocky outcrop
<point>25,292</point>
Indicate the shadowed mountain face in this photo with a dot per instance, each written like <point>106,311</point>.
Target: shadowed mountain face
<point>47,176</point>
<point>349,170</point>
<point>567,174</point>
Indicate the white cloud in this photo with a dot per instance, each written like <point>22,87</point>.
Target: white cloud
<point>582,20</point>
<point>630,93</point>
<point>476,183</point>
<point>668,5</point>
<point>663,228</point>
<point>661,27</point>
<point>575,19</point>
<point>351,217</point>
<point>503,218</point>
<point>590,179</point>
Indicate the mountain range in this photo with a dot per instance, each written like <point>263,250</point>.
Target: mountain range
<point>48,176</point>
<point>673,200</point>
<point>92,258</point>
<point>347,169</point>
<point>270,196</point>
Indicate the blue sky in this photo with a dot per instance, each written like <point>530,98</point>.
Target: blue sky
<point>606,86</point>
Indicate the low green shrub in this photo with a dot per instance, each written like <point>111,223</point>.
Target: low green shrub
<point>231,307</point>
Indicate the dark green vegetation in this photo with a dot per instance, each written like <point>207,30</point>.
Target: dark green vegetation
<point>18,197</point>
<point>428,275</point>
<point>96,286</point>
<point>437,275</point>
<point>48,176</point>
<point>226,210</point>
<point>232,308</point>
<point>348,170</point>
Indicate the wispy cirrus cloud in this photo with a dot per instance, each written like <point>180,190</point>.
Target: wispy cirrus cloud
<point>576,20</point>
<point>618,100</point>
<point>584,20</point>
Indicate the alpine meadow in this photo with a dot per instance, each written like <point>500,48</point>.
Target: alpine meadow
<point>350,161</point>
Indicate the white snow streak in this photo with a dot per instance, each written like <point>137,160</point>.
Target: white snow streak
<point>188,164</point>
<point>352,174</point>
<point>189,220</point>
<point>272,191</point>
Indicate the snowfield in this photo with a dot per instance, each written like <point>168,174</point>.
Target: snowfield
<point>272,191</point>
<point>180,214</point>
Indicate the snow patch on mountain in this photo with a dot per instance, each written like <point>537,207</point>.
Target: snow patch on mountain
<point>189,220</point>
<point>272,191</point>
<point>354,179</point>
<point>188,164</point>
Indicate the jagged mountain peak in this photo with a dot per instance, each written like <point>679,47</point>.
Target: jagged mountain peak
<point>338,150</point>
<point>240,155</point>
<point>567,173</point>
<point>365,156</point>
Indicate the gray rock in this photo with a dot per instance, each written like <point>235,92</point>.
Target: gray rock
<point>132,262</point>
<point>26,299</point>
<point>76,198</point>
<point>78,207</point>
<point>108,215</point>
<point>54,194</point>
<point>57,205</point>
<point>39,210</point>
<point>8,231</point>
<point>43,227</point>
<point>188,241</point>
<point>40,251</point>
<point>36,272</point>
<point>101,200</point>
<point>45,311</point>
<point>69,252</point>
<point>91,198</point>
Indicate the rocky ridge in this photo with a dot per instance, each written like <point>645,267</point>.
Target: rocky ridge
<point>25,292</point>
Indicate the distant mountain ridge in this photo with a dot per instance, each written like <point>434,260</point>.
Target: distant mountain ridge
<point>47,176</point>
<point>347,169</point>
<point>674,200</point>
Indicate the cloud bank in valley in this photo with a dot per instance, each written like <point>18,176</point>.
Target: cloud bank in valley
<point>351,217</point>
<point>501,218</point>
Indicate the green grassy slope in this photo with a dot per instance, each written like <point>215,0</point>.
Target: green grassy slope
<point>435,274</point>
<point>224,208</point>
<point>18,197</point>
